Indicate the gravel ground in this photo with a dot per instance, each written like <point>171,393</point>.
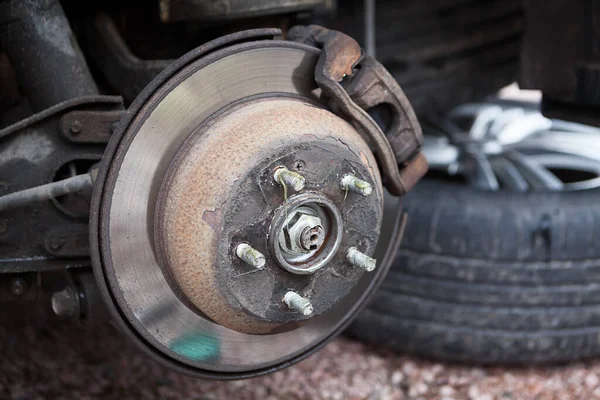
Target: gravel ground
<point>67,363</point>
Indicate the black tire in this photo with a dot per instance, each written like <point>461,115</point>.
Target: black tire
<point>492,277</point>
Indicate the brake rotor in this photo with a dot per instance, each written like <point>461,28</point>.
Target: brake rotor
<point>235,220</point>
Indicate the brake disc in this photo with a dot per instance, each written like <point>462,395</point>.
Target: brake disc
<point>236,221</point>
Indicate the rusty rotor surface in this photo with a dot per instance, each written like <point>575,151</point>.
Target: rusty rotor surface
<point>125,202</point>
<point>220,192</point>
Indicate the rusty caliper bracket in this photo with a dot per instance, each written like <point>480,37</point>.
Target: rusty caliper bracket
<point>350,85</point>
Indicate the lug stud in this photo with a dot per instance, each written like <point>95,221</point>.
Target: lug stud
<point>356,185</point>
<point>291,178</point>
<point>250,255</point>
<point>360,260</point>
<point>298,303</point>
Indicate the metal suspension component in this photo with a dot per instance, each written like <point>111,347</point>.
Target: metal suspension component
<point>33,31</point>
<point>48,191</point>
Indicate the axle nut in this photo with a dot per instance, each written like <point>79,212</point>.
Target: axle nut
<point>303,233</point>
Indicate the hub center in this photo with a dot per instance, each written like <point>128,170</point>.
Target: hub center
<point>308,229</point>
<point>303,231</point>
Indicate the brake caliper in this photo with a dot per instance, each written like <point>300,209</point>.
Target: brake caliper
<point>352,84</point>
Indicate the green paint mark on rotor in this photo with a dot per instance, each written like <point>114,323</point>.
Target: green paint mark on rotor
<point>197,347</point>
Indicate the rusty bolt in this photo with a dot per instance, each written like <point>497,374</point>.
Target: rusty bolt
<point>293,179</point>
<point>56,243</point>
<point>75,127</point>
<point>250,255</point>
<point>356,185</point>
<point>298,303</point>
<point>303,233</point>
<point>360,260</point>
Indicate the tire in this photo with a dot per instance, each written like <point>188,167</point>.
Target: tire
<point>492,277</point>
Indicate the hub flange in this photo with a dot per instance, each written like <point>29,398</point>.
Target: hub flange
<point>218,193</point>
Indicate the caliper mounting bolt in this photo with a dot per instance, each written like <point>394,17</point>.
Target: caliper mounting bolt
<point>356,185</point>
<point>298,303</point>
<point>66,303</point>
<point>360,260</point>
<point>291,178</point>
<point>250,255</point>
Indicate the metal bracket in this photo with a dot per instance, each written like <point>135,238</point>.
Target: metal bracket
<point>68,241</point>
<point>30,234</point>
<point>367,84</point>
<point>89,126</point>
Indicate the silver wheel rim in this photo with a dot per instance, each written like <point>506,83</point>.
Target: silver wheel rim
<point>515,148</point>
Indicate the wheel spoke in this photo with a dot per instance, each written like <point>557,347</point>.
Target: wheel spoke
<point>538,176</point>
<point>477,168</point>
<point>508,174</point>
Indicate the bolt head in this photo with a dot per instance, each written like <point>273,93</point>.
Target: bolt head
<point>18,286</point>
<point>303,233</point>
<point>75,127</point>
<point>56,243</point>
<point>65,303</point>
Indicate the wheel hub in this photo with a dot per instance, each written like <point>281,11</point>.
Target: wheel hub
<point>210,203</point>
<point>306,233</point>
<point>304,230</point>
